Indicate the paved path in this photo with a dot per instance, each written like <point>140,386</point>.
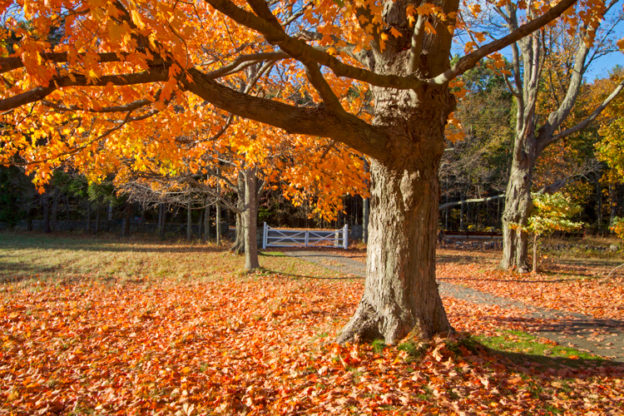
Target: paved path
<point>565,328</point>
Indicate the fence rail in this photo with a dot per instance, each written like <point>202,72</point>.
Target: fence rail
<point>280,237</point>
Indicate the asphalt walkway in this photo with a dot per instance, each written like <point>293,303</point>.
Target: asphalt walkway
<point>565,328</point>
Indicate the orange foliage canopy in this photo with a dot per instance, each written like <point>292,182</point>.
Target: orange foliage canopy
<point>148,86</point>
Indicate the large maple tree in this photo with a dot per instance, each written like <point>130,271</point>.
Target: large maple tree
<point>130,61</point>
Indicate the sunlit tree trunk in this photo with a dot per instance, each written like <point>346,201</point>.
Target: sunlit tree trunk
<point>401,294</point>
<point>518,206</point>
<point>250,220</point>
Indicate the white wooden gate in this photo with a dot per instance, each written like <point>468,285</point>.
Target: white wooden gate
<point>279,237</point>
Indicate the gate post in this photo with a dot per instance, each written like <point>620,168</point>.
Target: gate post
<point>265,235</point>
<point>306,237</point>
<point>345,236</point>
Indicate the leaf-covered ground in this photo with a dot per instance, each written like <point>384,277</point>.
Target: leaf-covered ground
<point>217,342</point>
<point>566,286</point>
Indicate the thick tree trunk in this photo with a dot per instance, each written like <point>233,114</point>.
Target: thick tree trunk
<point>250,220</point>
<point>517,209</point>
<point>401,294</point>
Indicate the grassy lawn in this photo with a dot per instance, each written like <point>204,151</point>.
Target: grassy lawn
<point>103,327</point>
<point>40,257</point>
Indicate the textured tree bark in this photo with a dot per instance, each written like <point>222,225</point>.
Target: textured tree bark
<point>517,207</point>
<point>401,294</point>
<point>250,220</point>
<point>365,219</point>
<point>238,247</point>
<point>239,242</point>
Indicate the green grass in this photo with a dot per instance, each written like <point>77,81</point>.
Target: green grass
<point>520,342</point>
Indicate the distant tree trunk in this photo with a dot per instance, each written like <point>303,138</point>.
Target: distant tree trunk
<point>238,247</point>
<point>206,235</point>
<point>612,203</point>
<point>45,205</point>
<point>125,226</point>
<point>461,216</point>
<point>250,220</point>
<point>31,213</point>
<point>109,214</point>
<point>54,214</point>
<point>97,218</point>
<point>598,191</point>
<point>189,222</point>
<point>239,242</point>
<point>534,253</point>
<point>88,224</point>
<point>219,231</point>
<point>67,210</point>
<point>162,218</point>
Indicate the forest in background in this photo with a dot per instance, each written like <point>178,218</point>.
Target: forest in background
<point>473,177</point>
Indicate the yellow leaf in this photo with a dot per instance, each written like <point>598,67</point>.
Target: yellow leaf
<point>136,18</point>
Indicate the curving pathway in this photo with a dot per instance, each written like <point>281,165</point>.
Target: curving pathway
<point>565,328</point>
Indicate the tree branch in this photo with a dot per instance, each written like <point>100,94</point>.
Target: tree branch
<point>470,60</point>
<point>300,50</point>
<point>78,80</point>
<point>345,127</point>
<point>581,125</point>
